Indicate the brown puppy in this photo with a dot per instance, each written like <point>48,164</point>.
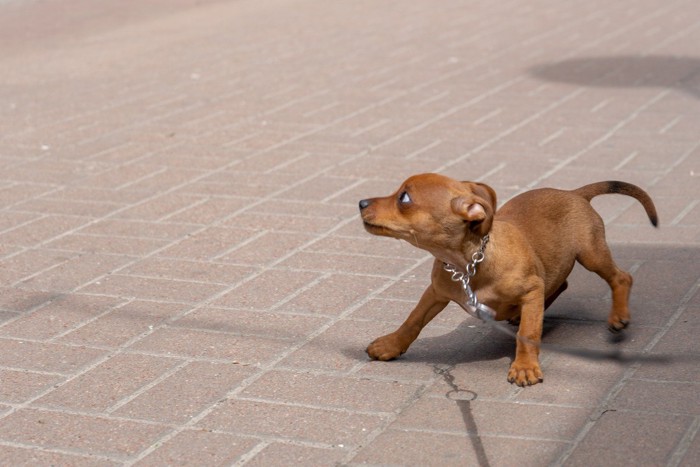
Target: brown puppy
<point>534,240</point>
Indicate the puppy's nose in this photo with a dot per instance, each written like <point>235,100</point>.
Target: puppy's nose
<point>364,203</point>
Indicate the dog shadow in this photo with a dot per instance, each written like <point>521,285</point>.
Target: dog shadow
<point>472,341</point>
<point>629,71</point>
<point>454,346</point>
<point>493,344</point>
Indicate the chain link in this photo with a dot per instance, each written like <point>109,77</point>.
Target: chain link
<point>479,310</point>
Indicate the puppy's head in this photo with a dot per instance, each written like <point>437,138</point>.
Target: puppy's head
<point>431,212</point>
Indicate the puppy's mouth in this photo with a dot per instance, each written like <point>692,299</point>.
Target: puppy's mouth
<point>375,229</point>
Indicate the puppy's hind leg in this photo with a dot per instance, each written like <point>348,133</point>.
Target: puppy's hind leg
<point>597,258</point>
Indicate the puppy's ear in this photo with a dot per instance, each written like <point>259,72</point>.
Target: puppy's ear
<point>477,207</point>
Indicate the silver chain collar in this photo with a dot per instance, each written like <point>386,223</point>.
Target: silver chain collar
<point>472,304</point>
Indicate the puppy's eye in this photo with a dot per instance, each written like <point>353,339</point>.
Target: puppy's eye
<point>404,198</point>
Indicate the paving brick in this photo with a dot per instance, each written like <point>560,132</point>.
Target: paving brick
<point>668,397</point>
<point>58,317</point>
<point>286,326</point>
<point>281,223</point>
<point>646,252</point>
<point>660,276</point>
<point>247,184</point>
<point>594,335</point>
<point>20,386</point>
<point>267,289</point>
<point>75,272</point>
<point>323,352</point>
<point>291,454</point>
<point>53,174</point>
<point>617,438</point>
<point>480,370</point>
<point>673,207</point>
<point>281,420</point>
<point>171,176</point>
<point>339,263</point>
<point>68,207</point>
<point>298,164</point>
<point>93,244</point>
<point>161,207</point>
<point>6,251</point>
<point>18,300</point>
<point>92,435</point>
<point>680,181</point>
<point>197,386</point>
<point>678,347</point>
<point>11,455</point>
<point>30,262</point>
<point>194,447</point>
<point>267,248</point>
<point>127,286</point>
<point>381,310</point>
<point>315,189</point>
<point>122,175</point>
<point>211,345</point>
<point>365,246</point>
<point>11,219</point>
<point>124,324</point>
<point>7,316</point>
<point>98,195</point>
<point>693,453</point>
<point>622,233</point>
<point>307,208</point>
<point>192,155</point>
<point>673,366</point>
<point>139,229</point>
<point>209,211</point>
<point>443,414</point>
<point>572,380</point>
<point>184,270</point>
<point>13,193</point>
<point>329,391</point>
<point>425,448</point>
<point>108,383</point>
<point>54,358</point>
<point>206,244</point>
<point>334,294</point>
<point>690,216</point>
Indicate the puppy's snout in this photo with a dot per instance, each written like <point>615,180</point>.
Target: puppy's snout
<point>364,203</point>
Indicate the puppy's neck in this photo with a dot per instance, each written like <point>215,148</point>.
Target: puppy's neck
<point>459,255</point>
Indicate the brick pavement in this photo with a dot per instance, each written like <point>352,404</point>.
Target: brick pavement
<point>185,279</point>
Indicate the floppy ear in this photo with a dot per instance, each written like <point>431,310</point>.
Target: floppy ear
<point>476,207</point>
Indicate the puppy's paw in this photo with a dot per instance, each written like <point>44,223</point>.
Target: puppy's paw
<point>525,374</point>
<point>616,325</point>
<point>386,347</point>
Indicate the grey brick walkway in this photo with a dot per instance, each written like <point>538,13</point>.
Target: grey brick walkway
<point>185,279</point>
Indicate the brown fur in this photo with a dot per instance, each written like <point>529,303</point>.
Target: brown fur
<point>535,239</point>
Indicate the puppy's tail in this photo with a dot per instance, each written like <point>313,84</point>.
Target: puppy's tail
<point>601,188</point>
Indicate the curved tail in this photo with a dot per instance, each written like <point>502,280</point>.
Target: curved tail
<point>601,188</point>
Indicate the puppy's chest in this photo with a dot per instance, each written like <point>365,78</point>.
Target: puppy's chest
<point>488,293</point>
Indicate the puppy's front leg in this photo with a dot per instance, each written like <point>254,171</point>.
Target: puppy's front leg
<point>392,345</point>
<point>525,369</point>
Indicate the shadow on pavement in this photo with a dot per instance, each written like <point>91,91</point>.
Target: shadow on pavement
<point>463,397</point>
<point>665,281</point>
<point>627,71</point>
